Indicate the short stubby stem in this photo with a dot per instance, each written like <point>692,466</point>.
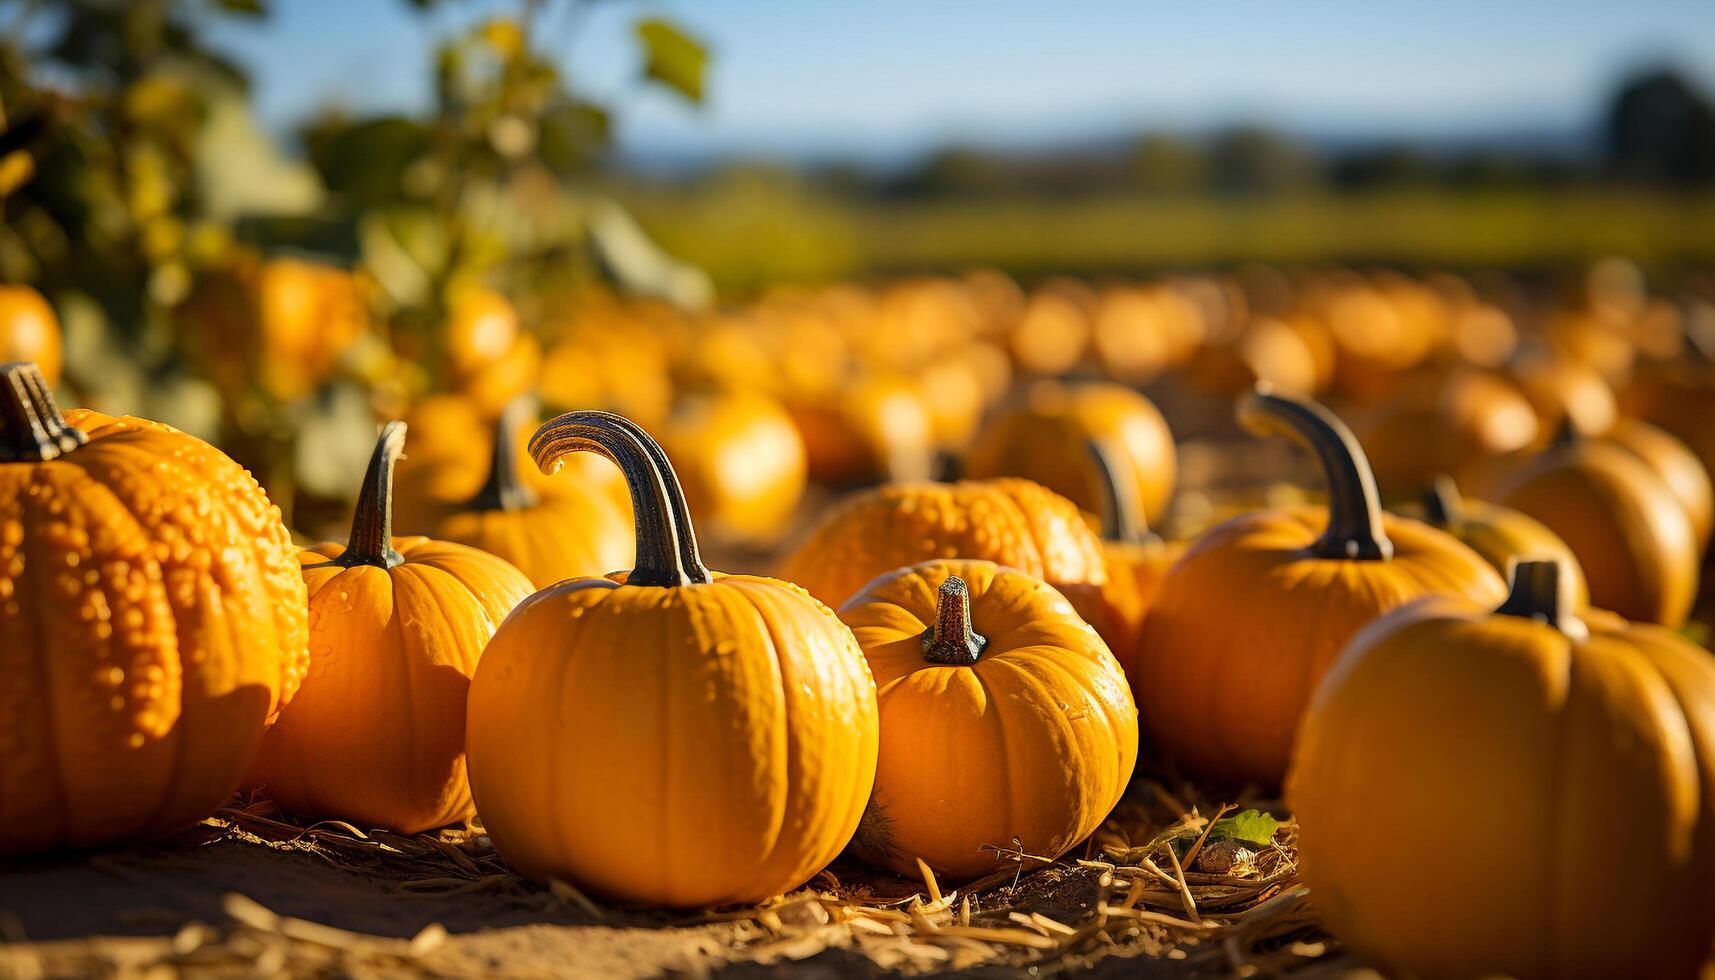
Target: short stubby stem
<point>1442,504</point>
<point>31,427</point>
<point>371,541</point>
<point>505,489</point>
<point>1541,590</point>
<point>951,640</point>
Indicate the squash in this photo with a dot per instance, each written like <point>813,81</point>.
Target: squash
<point>151,623</point>
<point>1678,467</point>
<point>1448,422</point>
<point>1501,535</point>
<point>1677,396</point>
<point>376,734</point>
<point>1247,621</point>
<point>489,357</point>
<point>1011,522</point>
<point>574,530</point>
<point>1633,538</point>
<point>1051,333</point>
<point>1004,719</point>
<point>1136,561</point>
<point>1561,389</point>
<point>29,331</point>
<point>875,428</point>
<point>670,736</point>
<point>741,462</point>
<point>1494,755</point>
<point>282,324</point>
<point>1044,436</point>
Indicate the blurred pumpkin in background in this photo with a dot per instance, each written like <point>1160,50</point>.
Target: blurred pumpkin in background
<point>1141,331</point>
<point>1679,397</point>
<point>1561,389</point>
<point>30,331</point>
<point>1051,334</point>
<point>1444,423</point>
<point>1136,559</point>
<point>281,323</point>
<point>1374,339</point>
<point>876,427</point>
<point>490,359</point>
<point>1501,535</point>
<point>1676,464</point>
<point>612,365</point>
<point>1266,351</point>
<point>741,463</point>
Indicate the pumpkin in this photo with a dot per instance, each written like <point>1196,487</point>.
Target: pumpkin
<point>1005,721</point>
<point>1562,389</point>
<point>1051,333</point>
<point>1676,464</point>
<point>29,331</point>
<point>1501,535</point>
<point>1011,522</point>
<point>1632,537</point>
<point>489,358</point>
<point>741,462</point>
<point>669,736</point>
<point>549,536</point>
<point>1266,351</point>
<point>1252,615</point>
<point>283,324</point>
<point>151,623</point>
<point>1680,398</point>
<point>875,428</point>
<point>1445,423</point>
<point>1506,748</point>
<point>1044,436</point>
<point>1136,561</point>
<point>376,734</point>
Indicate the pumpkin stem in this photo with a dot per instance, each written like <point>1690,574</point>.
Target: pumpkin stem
<point>667,553</point>
<point>1442,504</point>
<point>1566,433</point>
<point>951,640</point>
<point>1116,484</point>
<point>504,490</point>
<point>371,540</point>
<point>1354,507</point>
<point>31,427</point>
<point>1541,590</point>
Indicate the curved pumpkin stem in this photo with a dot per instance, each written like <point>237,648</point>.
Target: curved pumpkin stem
<point>951,640</point>
<point>1116,484</point>
<point>1354,507</point>
<point>1540,590</point>
<point>371,541</point>
<point>504,490</point>
<point>667,554</point>
<point>31,427</point>
<point>1442,504</point>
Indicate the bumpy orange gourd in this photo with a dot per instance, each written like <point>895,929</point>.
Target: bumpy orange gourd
<point>672,736</point>
<point>29,331</point>
<point>376,734</point>
<point>1136,561</point>
<point>151,623</point>
<point>1509,746</point>
<point>572,530</point>
<point>1043,438</point>
<point>1247,621</point>
<point>1005,721</point>
<point>1632,537</point>
<point>1501,535</point>
<point>741,461</point>
<point>1016,523</point>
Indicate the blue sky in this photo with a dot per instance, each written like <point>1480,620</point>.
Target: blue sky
<point>876,79</point>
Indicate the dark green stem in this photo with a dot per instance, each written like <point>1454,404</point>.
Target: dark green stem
<point>951,640</point>
<point>371,540</point>
<point>31,427</point>
<point>1116,484</point>
<point>504,489</point>
<point>1354,507</point>
<point>1541,590</point>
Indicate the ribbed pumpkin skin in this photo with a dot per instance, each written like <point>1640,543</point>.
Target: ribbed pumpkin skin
<point>1676,464</point>
<point>1503,536</point>
<point>1135,572</point>
<point>1035,741</point>
<point>692,746</point>
<point>572,532</point>
<point>1490,761</point>
<point>151,624</point>
<point>376,734</point>
<point>1250,618</point>
<point>1011,522</point>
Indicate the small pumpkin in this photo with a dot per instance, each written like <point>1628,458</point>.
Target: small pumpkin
<point>376,734</point>
<point>549,536</point>
<point>282,324</point>
<point>1136,561</point>
<point>151,623</point>
<point>670,736</point>
<point>1247,621</point>
<point>1677,466</point>
<point>741,461</point>
<point>1501,535</point>
<point>1633,538</point>
<point>1012,522</point>
<point>489,357</point>
<point>1043,438</point>
<point>29,331</point>
<point>1445,422</point>
<point>1562,389</point>
<point>1475,733</point>
<point>1005,721</point>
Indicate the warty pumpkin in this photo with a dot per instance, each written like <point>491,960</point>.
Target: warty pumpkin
<point>1043,437</point>
<point>1501,535</point>
<point>741,461</point>
<point>1136,561</point>
<point>1005,721</point>
<point>670,736</point>
<point>574,529</point>
<point>1012,522</point>
<point>1494,755</point>
<point>1247,621</point>
<point>29,331</point>
<point>151,623</point>
<point>376,734</point>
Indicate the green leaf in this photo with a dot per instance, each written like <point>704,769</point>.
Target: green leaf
<point>672,57</point>
<point>1249,826</point>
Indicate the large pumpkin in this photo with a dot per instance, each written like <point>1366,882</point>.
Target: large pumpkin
<point>1044,437</point>
<point>1015,523</point>
<point>741,461</point>
<point>1247,621</point>
<point>1501,535</point>
<point>151,623</point>
<point>1004,719</point>
<point>29,331</point>
<point>1490,759</point>
<point>376,734</point>
<point>671,736</point>
<point>574,529</point>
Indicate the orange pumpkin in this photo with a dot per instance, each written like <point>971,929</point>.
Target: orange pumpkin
<point>1043,438</point>
<point>1501,535</point>
<point>1445,423</point>
<point>741,461</point>
<point>1515,741</point>
<point>1136,561</point>
<point>1031,730</point>
<point>490,359</point>
<point>875,428</point>
<point>376,734</point>
<point>1247,621</point>
<point>282,323</point>
<point>670,736</point>
<point>151,623</point>
<point>1562,389</point>
<point>1011,522</point>
<point>1676,464</point>
<point>1680,398</point>
<point>29,331</point>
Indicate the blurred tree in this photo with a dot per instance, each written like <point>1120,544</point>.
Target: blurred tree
<point>1164,164</point>
<point>1661,129</point>
<point>1249,160</point>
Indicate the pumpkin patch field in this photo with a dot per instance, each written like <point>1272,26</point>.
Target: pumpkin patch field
<point>451,535</point>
